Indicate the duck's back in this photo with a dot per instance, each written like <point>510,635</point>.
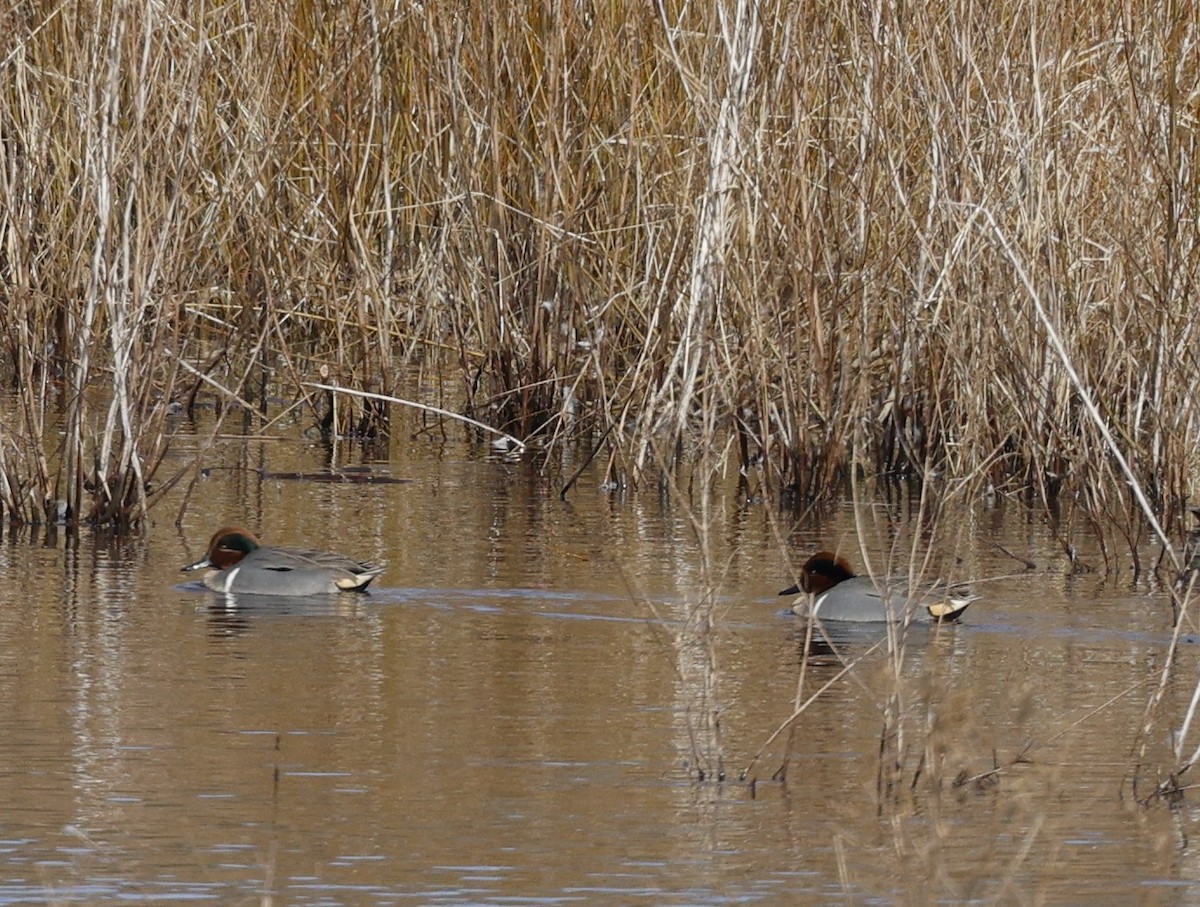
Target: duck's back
<point>856,600</point>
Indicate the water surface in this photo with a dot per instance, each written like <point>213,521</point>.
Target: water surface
<point>510,716</point>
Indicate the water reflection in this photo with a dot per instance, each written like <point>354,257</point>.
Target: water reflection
<point>234,615</point>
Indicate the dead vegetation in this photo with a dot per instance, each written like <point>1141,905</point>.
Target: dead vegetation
<point>795,230</point>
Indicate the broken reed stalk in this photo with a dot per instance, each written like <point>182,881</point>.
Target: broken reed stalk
<point>1083,391</point>
<point>515,444</point>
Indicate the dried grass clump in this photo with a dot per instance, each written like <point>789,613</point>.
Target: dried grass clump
<point>793,229</point>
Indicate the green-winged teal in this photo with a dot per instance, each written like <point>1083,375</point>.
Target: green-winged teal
<point>835,592</point>
<point>238,563</point>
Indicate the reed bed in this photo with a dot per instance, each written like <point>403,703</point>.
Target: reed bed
<point>813,233</point>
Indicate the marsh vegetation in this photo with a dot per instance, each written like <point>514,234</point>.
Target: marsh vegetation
<point>911,238</point>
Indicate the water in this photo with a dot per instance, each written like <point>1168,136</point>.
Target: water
<point>505,719</point>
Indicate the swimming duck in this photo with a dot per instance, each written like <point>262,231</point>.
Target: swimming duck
<point>835,592</point>
<point>238,563</point>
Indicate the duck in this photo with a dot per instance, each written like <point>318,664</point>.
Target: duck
<point>836,592</point>
<point>237,562</point>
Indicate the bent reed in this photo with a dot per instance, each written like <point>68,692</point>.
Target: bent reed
<point>792,228</point>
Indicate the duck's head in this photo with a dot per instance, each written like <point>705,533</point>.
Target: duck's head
<point>820,573</point>
<point>227,546</point>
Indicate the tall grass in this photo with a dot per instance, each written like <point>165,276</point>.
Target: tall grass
<point>686,225</point>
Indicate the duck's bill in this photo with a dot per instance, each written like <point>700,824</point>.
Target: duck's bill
<point>791,590</point>
<point>203,562</point>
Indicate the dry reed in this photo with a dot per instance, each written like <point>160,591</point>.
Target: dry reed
<point>676,224</point>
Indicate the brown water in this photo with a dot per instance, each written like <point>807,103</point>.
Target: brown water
<point>505,718</point>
